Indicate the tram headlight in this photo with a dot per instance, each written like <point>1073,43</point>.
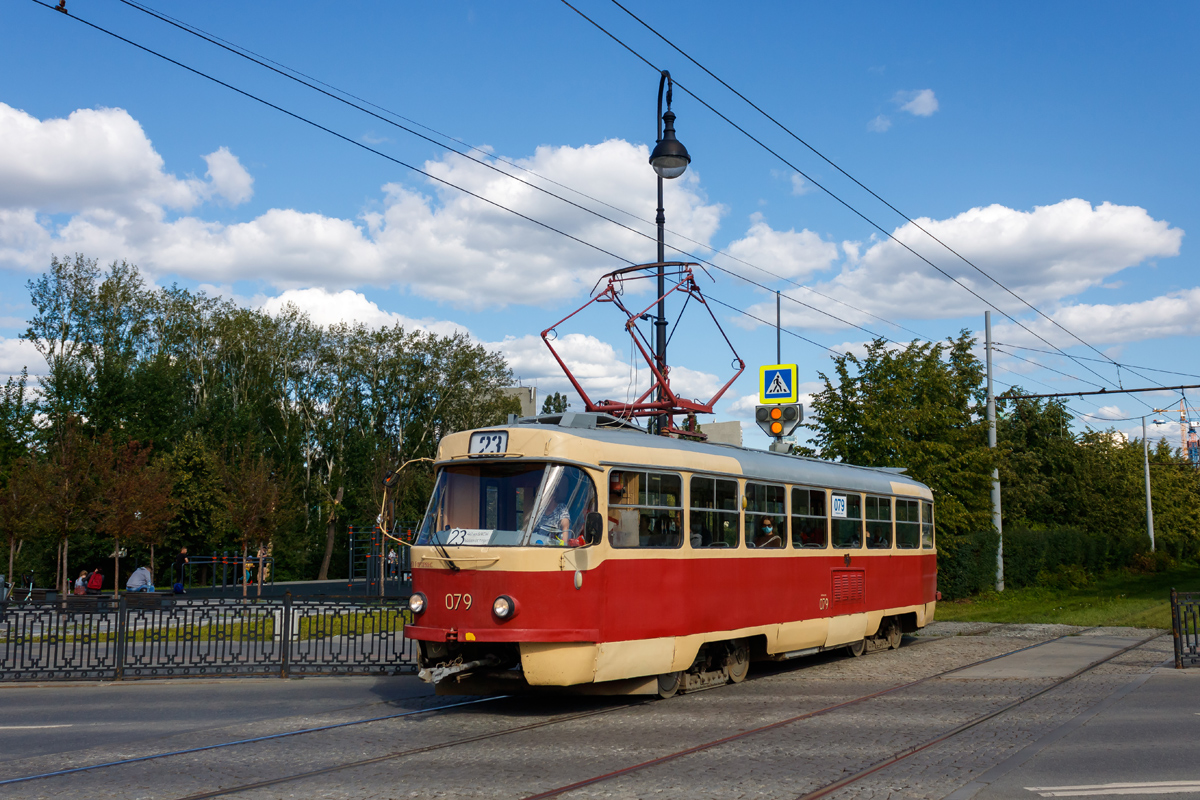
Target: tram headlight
<point>416,603</point>
<point>504,607</point>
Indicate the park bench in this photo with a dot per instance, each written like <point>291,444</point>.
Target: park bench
<point>148,599</point>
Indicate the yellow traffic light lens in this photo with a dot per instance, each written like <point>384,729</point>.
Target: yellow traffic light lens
<point>776,413</point>
<point>777,428</point>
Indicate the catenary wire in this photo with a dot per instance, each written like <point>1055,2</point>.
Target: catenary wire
<point>261,61</point>
<point>333,133</point>
<point>1085,358</point>
<point>867,189</point>
<point>452,185</point>
<point>283,70</point>
<point>833,195</point>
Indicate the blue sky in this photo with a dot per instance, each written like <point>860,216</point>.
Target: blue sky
<point>1053,146</point>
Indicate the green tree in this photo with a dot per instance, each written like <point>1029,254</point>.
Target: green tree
<point>916,407</point>
<point>555,403</point>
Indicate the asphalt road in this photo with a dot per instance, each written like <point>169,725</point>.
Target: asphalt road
<point>44,719</point>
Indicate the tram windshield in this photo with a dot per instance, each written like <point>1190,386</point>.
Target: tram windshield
<point>508,505</point>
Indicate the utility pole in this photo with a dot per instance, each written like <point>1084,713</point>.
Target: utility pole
<point>778,348</point>
<point>1146,463</point>
<point>991,418</point>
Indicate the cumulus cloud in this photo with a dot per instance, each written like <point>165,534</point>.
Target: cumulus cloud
<point>1173,314</point>
<point>919,103</point>
<point>440,243</point>
<point>100,159</point>
<point>329,308</point>
<point>788,253</point>
<point>18,353</point>
<point>880,124</point>
<point>1044,255</point>
<point>229,180</point>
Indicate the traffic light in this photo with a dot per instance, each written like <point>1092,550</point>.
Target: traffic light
<point>779,420</point>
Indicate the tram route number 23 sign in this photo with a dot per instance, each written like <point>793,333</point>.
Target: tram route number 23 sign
<point>487,443</point>
<point>838,506</point>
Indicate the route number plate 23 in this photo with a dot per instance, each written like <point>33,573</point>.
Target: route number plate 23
<point>488,443</point>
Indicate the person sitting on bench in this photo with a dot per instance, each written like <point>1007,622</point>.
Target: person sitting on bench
<point>140,581</point>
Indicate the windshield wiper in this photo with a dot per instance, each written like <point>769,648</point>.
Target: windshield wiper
<point>441,550</point>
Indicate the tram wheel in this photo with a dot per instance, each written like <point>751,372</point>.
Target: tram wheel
<point>856,649</point>
<point>668,684</point>
<point>893,635</point>
<point>738,663</point>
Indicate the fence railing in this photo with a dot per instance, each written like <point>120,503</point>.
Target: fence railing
<point>105,638</point>
<point>1185,628</point>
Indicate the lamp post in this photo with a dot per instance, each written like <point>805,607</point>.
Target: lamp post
<point>669,159</point>
<point>1146,463</point>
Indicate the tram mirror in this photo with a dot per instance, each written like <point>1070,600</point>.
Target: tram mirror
<point>593,527</point>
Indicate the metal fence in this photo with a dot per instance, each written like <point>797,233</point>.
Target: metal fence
<point>102,638</point>
<point>1185,628</point>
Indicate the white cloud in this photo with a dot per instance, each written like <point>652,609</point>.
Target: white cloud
<point>18,353</point>
<point>1043,255</point>
<point>788,253</point>
<point>1173,314</point>
<point>919,103</point>
<point>329,308</point>
<point>880,124</point>
<point>799,185</point>
<point>100,167</point>
<point>99,159</point>
<point>229,179</point>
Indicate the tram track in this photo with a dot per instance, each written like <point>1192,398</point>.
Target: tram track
<point>876,767</point>
<point>564,718</point>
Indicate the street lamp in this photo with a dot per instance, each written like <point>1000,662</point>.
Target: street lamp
<point>1146,463</point>
<point>669,159</point>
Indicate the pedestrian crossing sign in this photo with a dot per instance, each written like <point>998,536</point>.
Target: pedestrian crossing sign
<point>777,383</point>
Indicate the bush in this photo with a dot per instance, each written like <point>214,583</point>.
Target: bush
<point>967,564</point>
<point>1061,556</point>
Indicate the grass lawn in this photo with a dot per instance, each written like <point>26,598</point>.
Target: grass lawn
<point>1135,600</point>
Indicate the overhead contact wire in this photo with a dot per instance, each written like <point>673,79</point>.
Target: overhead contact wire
<point>279,69</point>
<point>829,192</point>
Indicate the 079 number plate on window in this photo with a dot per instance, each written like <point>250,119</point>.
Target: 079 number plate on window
<point>488,443</point>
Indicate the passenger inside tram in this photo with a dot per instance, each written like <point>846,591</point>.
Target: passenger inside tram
<point>767,535</point>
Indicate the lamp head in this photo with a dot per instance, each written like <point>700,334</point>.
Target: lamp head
<point>670,158</point>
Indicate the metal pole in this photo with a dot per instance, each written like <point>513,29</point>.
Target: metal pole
<point>1149,507</point>
<point>660,324</point>
<point>778,328</point>
<point>991,418</point>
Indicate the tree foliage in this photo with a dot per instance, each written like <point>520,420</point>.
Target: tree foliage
<point>918,408</point>
<point>210,390</point>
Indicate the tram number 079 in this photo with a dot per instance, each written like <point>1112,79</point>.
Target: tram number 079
<point>457,600</point>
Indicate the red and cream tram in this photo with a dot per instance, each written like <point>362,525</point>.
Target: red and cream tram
<point>576,550</point>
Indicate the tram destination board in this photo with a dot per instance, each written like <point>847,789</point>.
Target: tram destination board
<point>488,443</point>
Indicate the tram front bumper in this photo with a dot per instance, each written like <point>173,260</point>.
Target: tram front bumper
<point>506,634</point>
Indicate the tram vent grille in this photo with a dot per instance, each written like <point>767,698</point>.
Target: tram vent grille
<point>848,586</point>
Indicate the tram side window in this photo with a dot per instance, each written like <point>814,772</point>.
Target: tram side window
<point>879,523</point>
<point>766,515</point>
<point>810,525</point>
<point>927,525</point>
<point>714,513</point>
<point>847,526</point>
<point>908,524</point>
<point>645,509</point>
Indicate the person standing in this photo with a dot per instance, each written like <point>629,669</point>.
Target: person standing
<point>181,562</point>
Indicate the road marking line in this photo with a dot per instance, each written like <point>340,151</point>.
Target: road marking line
<point>1149,787</point>
<point>29,727</point>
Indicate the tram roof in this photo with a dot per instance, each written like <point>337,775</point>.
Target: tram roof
<point>761,464</point>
